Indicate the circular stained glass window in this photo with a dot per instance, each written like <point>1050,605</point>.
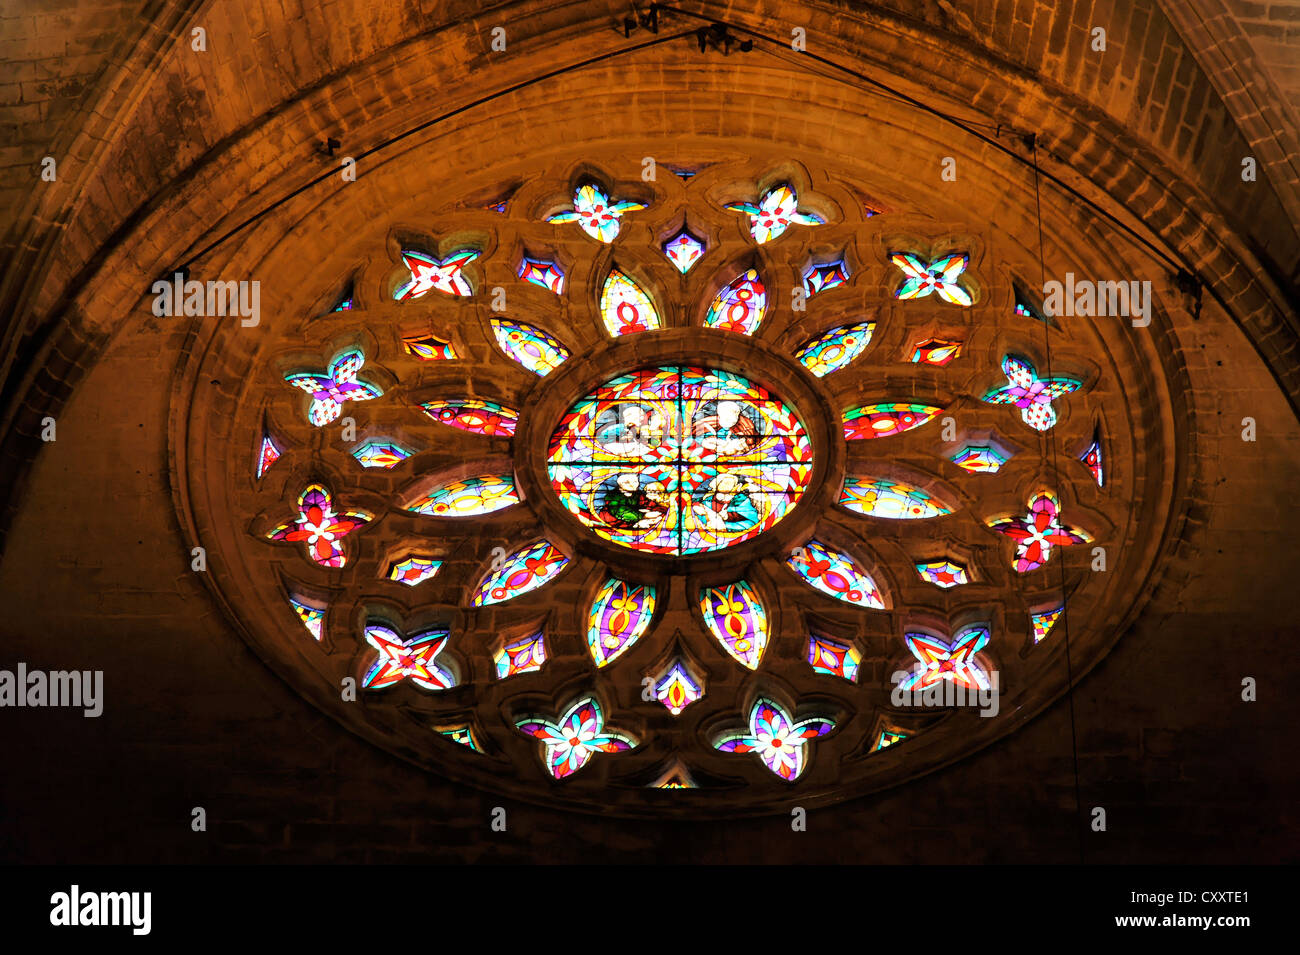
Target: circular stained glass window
<point>679,460</point>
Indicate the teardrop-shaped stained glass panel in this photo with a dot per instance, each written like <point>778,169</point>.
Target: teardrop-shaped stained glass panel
<point>625,307</point>
<point>530,346</point>
<point>835,574</point>
<point>885,419</point>
<point>619,616</point>
<point>836,348</point>
<point>895,500</point>
<point>468,497</point>
<point>740,306</point>
<point>737,620</point>
<point>526,569</point>
<point>477,417</point>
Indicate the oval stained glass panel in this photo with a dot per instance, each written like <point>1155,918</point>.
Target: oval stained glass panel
<point>740,306</point>
<point>885,419</point>
<point>835,349</point>
<point>530,346</point>
<point>737,620</point>
<point>526,569</point>
<point>477,417</point>
<point>468,497</point>
<point>835,574</point>
<point>619,616</point>
<point>625,307</point>
<point>894,500</point>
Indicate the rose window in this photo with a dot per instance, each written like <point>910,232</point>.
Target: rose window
<point>608,489</point>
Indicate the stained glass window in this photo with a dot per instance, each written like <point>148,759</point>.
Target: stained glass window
<point>541,272</point>
<point>775,212</point>
<point>470,414</point>
<point>1027,308</point>
<point>518,573</point>
<point>625,307</point>
<point>683,250</point>
<point>468,497</point>
<point>345,300</point>
<point>320,527</point>
<point>980,459</point>
<point>836,348</point>
<point>619,616</point>
<point>1031,394</point>
<point>836,574</point>
<point>896,500</point>
<point>740,306</point>
<point>569,742</point>
<point>597,215</point>
<point>939,660</point>
<point>677,688</point>
<point>267,455</point>
<point>779,741</point>
<point>885,419</point>
<point>413,659</point>
<point>498,207</point>
<point>428,347</point>
<point>889,738</point>
<point>313,618</point>
<point>520,656</point>
<point>737,620</point>
<point>413,570</point>
<point>935,351</point>
<point>429,274</point>
<point>380,454</point>
<point>1038,531</point>
<point>464,735</point>
<point>940,275</point>
<point>679,460</point>
<point>529,345</point>
<point>676,777</point>
<point>1044,622</point>
<point>338,384</point>
<point>942,573</point>
<point>1091,458</point>
<point>823,278</point>
<point>834,658</point>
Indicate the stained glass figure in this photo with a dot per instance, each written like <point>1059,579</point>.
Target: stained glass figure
<point>823,278</point>
<point>683,250</point>
<point>779,741</point>
<point>1091,458</point>
<point>313,618</point>
<point>619,616</point>
<point>380,454</point>
<point>542,272</point>
<point>836,348</point>
<point>886,419</point>
<point>1037,531</point>
<point>679,460</point>
<point>598,215</point>
<point>740,306</point>
<point>429,347</point>
<point>888,738</point>
<point>468,497</point>
<point>834,658</point>
<point>940,275</point>
<point>413,659</point>
<point>1044,622</point>
<point>526,569</point>
<point>625,307</point>
<point>1031,394</point>
<point>338,384</point>
<point>529,345</point>
<point>939,660</point>
<point>569,742</point>
<point>413,570</point>
<point>943,573</point>
<point>464,735</point>
<point>520,656</point>
<point>980,459</point>
<point>737,620</point>
<point>429,274</point>
<point>320,527</point>
<point>477,417</point>
<point>936,351</point>
<point>835,574</point>
<point>677,688</point>
<point>267,455</point>
<point>896,500</point>
<point>775,212</point>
